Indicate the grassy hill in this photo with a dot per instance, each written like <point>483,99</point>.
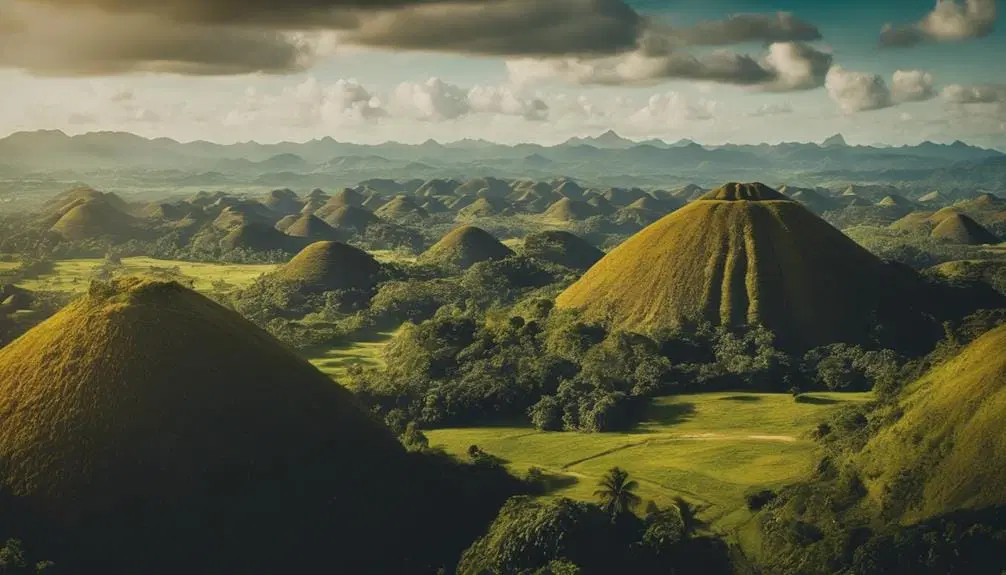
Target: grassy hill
<point>464,247</point>
<point>741,255</point>
<point>946,451</point>
<point>150,416</point>
<point>328,266</point>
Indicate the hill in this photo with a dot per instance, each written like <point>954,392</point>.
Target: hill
<point>568,210</point>
<point>948,438</point>
<point>741,255</point>
<point>402,209</point>
<point>93,218</point>
<point>464,247</point>
<point>148,415</point>
<point>482,208</point>
<point>562,248</point>
<point>330,266</point>
<point>258,237</point>
<point>283,202</point>
<point>311,228</point>
<point>351,218</point>
<point>961,229</point>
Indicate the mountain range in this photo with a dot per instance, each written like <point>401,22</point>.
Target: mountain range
<point>608,159</point>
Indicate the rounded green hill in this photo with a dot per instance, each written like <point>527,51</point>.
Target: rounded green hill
<point>742,255</point>
<point>351,218</point>
<point>961,229</point>
<point>464,247</point>
<point>148,415</point>
<point>329,266</point>
<point>562,248</point>
<point>93,218</point>
<point>311,228</point>
<point>569,210</point>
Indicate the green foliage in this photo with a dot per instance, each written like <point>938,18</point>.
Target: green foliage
<point>617,493</point>
<point>14,561</point>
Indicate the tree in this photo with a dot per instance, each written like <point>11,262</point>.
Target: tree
<point>617,493</point>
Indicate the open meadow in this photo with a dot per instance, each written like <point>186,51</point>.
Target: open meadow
<point>709,448</point>
<point>74,275</point>
<point>335,360</point>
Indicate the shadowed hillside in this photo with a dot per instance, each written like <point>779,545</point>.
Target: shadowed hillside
<point>148,418</point>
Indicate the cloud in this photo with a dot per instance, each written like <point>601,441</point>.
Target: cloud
<point>438,101</point>
<point>735,29</point>
<point>771,110</point>
<point>976,94</point>
<point>221,37</point>
<point>912,86</point>
<point>857,91</point>
<point>309,104</point>
<point>796,66</point>
<point>787,67</point>
<point>506,27</point>
<point>950,21</point>
<point>672,109</point>
<point>82,42</point>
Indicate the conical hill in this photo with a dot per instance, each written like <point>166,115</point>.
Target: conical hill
<point>329,266</point>
<point>947,450</point>
<point>464,247</point>
<point>742,255</point>
<point>311,228</point>
<point>961,229</point>
<point>569,210</point>
<point>351,218</point>
<point>562,248</point>
<point>93,218</point>
<point>149,416</point>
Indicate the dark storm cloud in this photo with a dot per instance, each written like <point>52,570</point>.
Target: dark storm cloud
<point>735,29</point>
<point>507,27</point>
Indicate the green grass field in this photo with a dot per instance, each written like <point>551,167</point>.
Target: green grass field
<point>335,360</point>
<point>74,275</point>
<point>709,448</point>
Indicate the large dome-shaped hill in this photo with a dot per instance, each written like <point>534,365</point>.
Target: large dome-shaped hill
<point>569,210</point>
<point>149,416</point>
<point>351,218</point>
<point>742,255</point>
<point>464,247</point>
<point>329,266</point>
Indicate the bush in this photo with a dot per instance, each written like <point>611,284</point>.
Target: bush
<point>759,499</point>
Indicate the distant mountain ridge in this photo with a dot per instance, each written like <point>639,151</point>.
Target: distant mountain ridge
<point>607,157</point>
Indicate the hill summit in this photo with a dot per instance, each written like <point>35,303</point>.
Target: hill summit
<point>465,247</point>
<point>146,414</point>
<point>743,254</point>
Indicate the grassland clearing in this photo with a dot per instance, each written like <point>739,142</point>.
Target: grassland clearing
<point>74,275</point>
<point>335,361</point>
<point>710,448</point>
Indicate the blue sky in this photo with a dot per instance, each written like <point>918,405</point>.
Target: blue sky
<point>952,85</point>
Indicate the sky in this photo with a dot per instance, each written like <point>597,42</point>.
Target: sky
<point>715,71</point>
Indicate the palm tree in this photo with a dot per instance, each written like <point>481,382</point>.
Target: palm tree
<point>616,492</point>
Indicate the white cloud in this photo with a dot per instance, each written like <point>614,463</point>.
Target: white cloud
<point>672,109</point>
<point>503,100</point>
<point>857,91</point>
<point>975,94</point>
<point>437,101</point>
<point>912,86</point>
<point>796,66</point>
<point>950,21</point>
